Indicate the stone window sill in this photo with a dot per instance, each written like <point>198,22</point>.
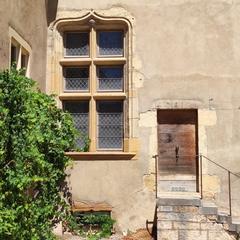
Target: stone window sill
<point>95,156</point>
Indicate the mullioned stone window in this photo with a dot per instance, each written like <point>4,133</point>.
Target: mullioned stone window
<point>93,82</point>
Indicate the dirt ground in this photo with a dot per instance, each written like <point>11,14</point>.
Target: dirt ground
<point>141,234</point>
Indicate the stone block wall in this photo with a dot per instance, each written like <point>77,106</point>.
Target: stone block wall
<point>187,223</point>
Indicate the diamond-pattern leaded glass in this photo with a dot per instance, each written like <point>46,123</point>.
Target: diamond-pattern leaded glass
<point>77,44</point>
<point>110,43</point>
<point>110,78</point>
<point>110,124</point>
<point>80,113</point>
<point>76,79</point>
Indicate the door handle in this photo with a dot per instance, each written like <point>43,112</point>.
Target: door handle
<point>177,153</point>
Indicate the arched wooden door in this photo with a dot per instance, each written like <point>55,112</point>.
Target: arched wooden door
<point>177,150</point>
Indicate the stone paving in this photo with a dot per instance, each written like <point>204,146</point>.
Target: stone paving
<point>141,234</point>
<point>70,237</point>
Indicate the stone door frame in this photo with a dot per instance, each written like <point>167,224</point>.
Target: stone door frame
<point>194,112</point>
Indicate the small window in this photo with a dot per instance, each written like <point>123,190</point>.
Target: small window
<point>76,78</point>
<point>110,78</point>
<point>19,53</point>
<point>19,56</point>
<point>110,43</point>
<point>110,125</point>
<point>77,44</point>
<point>80,113</point>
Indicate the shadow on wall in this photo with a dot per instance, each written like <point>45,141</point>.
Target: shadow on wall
<point>51,10</point>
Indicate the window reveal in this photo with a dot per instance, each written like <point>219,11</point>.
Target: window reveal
<point>14,55</point>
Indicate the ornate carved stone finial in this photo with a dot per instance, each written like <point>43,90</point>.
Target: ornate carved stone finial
<point>92,22</point>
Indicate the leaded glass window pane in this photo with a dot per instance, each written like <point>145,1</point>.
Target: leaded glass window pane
<point>80,113</point>
<point>24,60</point>
<point>13,54</point>
<point>110,43</point>
<point>110,78</point>
<point>77,44</point>
<point>110,124</point>
<point>24,63</point>
<point>76,78</point>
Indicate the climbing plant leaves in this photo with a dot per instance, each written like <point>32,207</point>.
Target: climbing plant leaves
<point>34,137</point>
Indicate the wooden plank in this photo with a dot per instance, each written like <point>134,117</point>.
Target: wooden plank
<point>177,116</point>
<point>79,206</point>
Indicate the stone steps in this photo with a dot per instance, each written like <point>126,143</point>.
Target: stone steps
<point>190,218</point>
<point>176,200</point>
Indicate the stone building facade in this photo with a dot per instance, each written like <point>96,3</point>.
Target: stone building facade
<point>24,23</point>
<point>177,63</point>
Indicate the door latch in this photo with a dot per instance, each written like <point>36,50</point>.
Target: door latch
<point>177,153</point>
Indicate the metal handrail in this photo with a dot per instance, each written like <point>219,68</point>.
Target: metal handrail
<point>200,184</point>
<point>229,179</point>
<point>217,164</point>
<point>156,172</point>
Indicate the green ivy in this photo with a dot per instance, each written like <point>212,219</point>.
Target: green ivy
<point>34,136</point>
<point>86,142</point>
<point>95,226</point>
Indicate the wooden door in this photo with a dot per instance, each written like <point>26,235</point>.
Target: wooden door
<point>177,148</point>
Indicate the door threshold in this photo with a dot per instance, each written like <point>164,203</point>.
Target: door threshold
<point>179,195</point>
<point>176,177</point>
<point>179,199</point>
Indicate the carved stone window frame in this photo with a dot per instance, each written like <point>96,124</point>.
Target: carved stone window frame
<point>93,22</point>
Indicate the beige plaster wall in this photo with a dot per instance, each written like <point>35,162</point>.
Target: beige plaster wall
<point>28,19</point>
<point>186,54</point>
